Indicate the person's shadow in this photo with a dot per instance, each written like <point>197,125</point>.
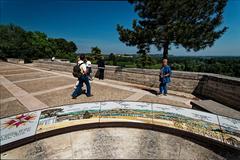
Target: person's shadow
<point>150,90</point>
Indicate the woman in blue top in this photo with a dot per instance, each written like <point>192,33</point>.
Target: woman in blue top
<point>164,77</point>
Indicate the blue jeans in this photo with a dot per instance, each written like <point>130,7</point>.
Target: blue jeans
<point>78,90</point>
<point>163,88</point>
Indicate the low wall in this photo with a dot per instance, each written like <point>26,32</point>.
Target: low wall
<point>15,60</point>
<point>223,89</point>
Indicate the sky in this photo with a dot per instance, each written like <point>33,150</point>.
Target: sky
<point>93,23</point>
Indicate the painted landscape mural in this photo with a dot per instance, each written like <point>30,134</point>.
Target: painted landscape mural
<point>230,130</point>
<point>223,129</point>
<point>181,122</point>
<point>70,115</point>
<point>121,111</point>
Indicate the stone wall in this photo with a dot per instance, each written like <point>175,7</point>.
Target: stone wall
<point>15,60</point>
<point>223,89</point>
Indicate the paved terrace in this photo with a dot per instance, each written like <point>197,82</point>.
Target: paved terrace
<point>26,88</point>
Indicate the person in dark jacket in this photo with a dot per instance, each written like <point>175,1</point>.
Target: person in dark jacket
<point>101,68</point>
<point>164,77</point>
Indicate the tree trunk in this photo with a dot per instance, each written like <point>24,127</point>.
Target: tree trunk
<point>165,50</point>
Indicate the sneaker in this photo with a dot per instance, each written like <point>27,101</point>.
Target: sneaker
<point>74,97</point>
<point>165,94</point>
<point>90,95</point>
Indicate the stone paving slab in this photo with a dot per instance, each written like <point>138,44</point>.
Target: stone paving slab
<point>182,100</point>
<point>40,85</point>
<point>115,85</point>
<point>162,100</point>
<point>22,96</point>
<point>4,93</point>
<point>12,108</point>
<point>119,143</point>
<point>135,97</point>
<point>17,74</point>
<point>31,75</point>
<point>150,89</point>
<point>34,79</point>
<point>16,71</point>
<point>10,68</point>
<point>100,93</point>
<point>54,90</point>
<point>216,108</point>
<point>7,100</point>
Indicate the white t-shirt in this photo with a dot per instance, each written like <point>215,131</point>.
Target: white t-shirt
<point>89,64</point>
<point>82,66</point>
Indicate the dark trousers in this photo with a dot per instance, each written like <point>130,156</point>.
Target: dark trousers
<point>101,74</point>
<point>163,88</point>
<point>78,90</point>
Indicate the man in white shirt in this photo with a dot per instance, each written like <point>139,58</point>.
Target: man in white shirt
<point>89,69</point>
<point>83,79</point>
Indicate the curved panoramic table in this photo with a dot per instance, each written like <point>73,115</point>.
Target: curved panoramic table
<point>29,127</point>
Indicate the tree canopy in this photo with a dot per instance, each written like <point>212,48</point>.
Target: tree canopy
<point>96,53</point>
<point>192,24</point>
<point>15,42</point>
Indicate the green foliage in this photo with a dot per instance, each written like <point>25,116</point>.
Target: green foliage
<point>143,59</point>
<point>36,46</point>
<point>229,66</point>
<point>11,39</point>
<point>96,53</point>
<point>220,65</point>
<point>112,58</point>
<point>18,43</point>
<point>192,24</point>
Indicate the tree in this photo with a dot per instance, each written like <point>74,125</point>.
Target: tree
<point>192,24</point>
<point>112,58</point>
<point>143,58</point>
<point>63,49</point>
<point>11,39</point>
<point>15,42</point>
<point>72,47</point>
<point>96,53</point>
<point>138,37</point>
<point>36,46</point>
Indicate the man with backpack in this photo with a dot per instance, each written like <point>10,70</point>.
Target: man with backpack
<point>80,72</point>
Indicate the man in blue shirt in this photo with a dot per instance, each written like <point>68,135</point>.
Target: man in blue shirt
<point>164,77</point>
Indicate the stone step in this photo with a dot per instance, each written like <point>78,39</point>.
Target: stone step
<point>216,108</point>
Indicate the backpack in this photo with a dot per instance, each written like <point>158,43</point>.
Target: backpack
<point>77,71</point>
